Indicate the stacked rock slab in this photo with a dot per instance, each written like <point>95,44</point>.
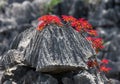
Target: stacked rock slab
<point>55,55</point>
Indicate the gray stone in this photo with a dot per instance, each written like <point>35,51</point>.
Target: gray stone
<point>10,59</point>
<point>23,75</point>
<point>117,1</point>
<point>113,81</point>
<point>17,17</point>
<point>51,56</point>
<point>57,48</point>
<point>63,48</point>
<point>26,74</point>
<point>23,39</point>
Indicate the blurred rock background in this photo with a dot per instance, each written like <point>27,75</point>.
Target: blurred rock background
<point>104,15</point>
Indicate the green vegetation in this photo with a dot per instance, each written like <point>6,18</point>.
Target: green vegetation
<point>49,6</point>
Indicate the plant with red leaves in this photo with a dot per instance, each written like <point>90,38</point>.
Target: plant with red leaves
<point>48,19</point>
<point>102,65</point>
<point>92,32</point>
<point>105,69</point>
<point>92,63</point>
<point>77,25</point>
<point>68,18</point>
<point>84,23</point>
<point>41,25</point>
<point>104,61</point>
<point>97,43</point>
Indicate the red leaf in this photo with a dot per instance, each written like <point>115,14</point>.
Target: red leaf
<point>92,32</point>
<point>104,61</point>
<point>48,19</point>
<point>97,43</point>
<point>105,69</point>
<point>68,18</point>
<point>91,63</point>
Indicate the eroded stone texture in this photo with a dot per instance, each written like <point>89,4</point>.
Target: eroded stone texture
<point>23,39</point>
<point>30,76</point>
<point>83,78</point>
<point>27,75</point>
<point>55,55</point>
<point>53,49</point>
<point>11,58</point>
<point>57,48</point>
<point>15,17</point>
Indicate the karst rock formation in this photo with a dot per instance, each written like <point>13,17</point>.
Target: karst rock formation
<point>55,55</point>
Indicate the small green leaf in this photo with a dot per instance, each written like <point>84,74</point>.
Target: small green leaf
<point>49,6</point>
<point>54,2</point>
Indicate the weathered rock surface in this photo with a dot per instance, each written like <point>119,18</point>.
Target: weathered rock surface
<point>23,39</point>
<point>57,48</point>
<point>11,58</point>
<point>17,17</point>
<point>26,74</point>
<point>107,14</point>
<point>55,55</point>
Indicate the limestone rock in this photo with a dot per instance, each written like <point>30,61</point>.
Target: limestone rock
<point>55,55</point>
<point>54,49</point>
<point>82,77</point>
<point>57,48</point>
<point>10,59</point>
<point>23,39</point>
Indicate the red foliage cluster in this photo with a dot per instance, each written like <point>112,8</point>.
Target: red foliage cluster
<point>85,24</point>
<point>92,63</point>
<point>104,61</point>
<point>78,24</point>
<point>103,67</point>
<point>48,19</point>
<point>92,32</point>
<point>97,43</point>
<point>68,18</point>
